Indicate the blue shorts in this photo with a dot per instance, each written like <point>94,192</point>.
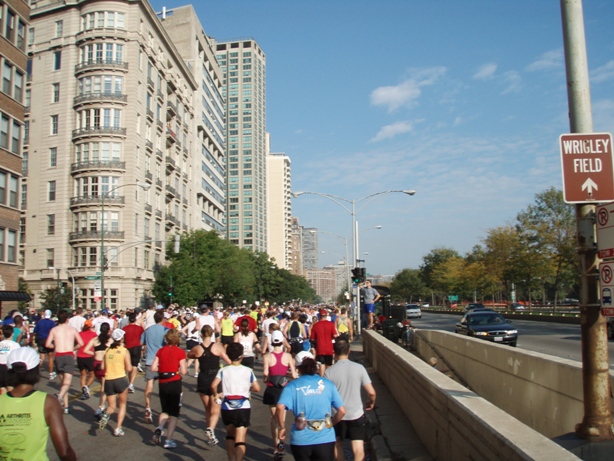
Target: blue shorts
<point>369,308</point>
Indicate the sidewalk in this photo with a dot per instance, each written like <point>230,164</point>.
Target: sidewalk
<point>391,436</point>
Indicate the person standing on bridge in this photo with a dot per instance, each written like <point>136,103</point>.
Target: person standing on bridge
<point>371,297</point>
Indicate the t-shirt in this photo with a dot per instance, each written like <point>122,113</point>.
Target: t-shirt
<point>43,327</point>
<point>349,377</point>
<point>24,431</point>
<point>6,346</point>
<point>236,383</point>
<point>86,336</point>
<point>76,322</point>
<point>133,335</point>
<point>323,332</point>
<point>153,338</point>
<point>370,294</point>
<point>313,396</point>
<point>168,362</point>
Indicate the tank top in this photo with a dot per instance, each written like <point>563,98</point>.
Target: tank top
<point>209,362</point>
<point>24,432</point>
<point>227,326</point>
<point>100,347</point>
<point>114,363</point>
<point>248,344</point>
<point>279,369</point>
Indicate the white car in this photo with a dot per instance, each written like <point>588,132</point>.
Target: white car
<point>413,311</point>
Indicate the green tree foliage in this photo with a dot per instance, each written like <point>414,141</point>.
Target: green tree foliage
<point>430,262</point>
<point>55,300</point>
<point>407,286</point>
<point>22,286</point>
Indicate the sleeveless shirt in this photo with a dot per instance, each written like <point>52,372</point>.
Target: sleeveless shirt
<point>23,429</point>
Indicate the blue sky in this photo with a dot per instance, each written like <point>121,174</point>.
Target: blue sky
<point>462,101</point>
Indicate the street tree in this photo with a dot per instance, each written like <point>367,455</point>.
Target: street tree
<point>407,285</point>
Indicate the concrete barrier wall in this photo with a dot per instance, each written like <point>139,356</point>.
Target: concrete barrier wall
<point>452,422</point>
<point>542,391</point>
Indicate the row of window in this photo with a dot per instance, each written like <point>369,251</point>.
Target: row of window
<point>12,80</point>
<point>12,26</point>
<point>102,52</point>
<point>99,19</point>
<point>105,84</point>
<point>10,134</point>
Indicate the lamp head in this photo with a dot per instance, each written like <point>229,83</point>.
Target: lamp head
<point>409,192</point>
<point>296,194</point>
<point>143,185</point>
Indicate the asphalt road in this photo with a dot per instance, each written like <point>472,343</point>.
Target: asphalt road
<point>558,339</point>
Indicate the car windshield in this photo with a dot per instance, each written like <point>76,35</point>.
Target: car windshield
<point>485,319</point>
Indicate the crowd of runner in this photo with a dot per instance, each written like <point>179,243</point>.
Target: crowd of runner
<point>303,350</point>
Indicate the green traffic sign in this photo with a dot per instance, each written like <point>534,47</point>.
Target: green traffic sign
<point>92,277</point>
<point>452,298</point>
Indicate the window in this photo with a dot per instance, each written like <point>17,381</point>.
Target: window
<point>2,187</point>
<point>16,138</point>
<point>57,60</point>
<point>18,87</point>
<point>53,156</point>
<point>31,36</point>
<point>51,191</point>
<point>55,124</point>
<point>55,93</point>
<point>13,185</point>
<point>4,131</point>
<point>59,29</point>
<point>50,224</point>
<point>7,78</point>
<point>24,198</point>
<point>50,257</point>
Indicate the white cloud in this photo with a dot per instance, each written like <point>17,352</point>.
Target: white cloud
<point>513,82</point>
<point>603,73</point>
<point>553,59</point>
<point>390,131</point>
<point>485,72</point>
<point>404,94</point>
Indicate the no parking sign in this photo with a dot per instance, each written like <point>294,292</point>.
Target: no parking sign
<point>606,279</point>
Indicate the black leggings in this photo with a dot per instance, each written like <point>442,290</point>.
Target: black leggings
<point>320,452</point>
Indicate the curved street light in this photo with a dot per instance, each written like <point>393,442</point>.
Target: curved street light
<point>142,185</point>
<point>352,211</point>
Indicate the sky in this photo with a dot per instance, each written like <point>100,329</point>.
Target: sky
<point>461,101</point>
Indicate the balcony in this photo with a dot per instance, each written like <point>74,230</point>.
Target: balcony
<point>159,154</point>
<point>98,165</point>
<point>85,200</point>
<point>101,32</point>
<point>170,190</point>
<point>99,97</point>
<point>160,125</point>
<point>148,208</point>
<point>149,176</point>
<point>185,201</point>
<point>149,145</point>
<point>158,214</point>
<point>185,150</point>
<point>171,220</point>
<point>170,163</point>
<point>100,64</point>
<point>98,131</point>
<point>171,108</point>
<point>159,184</point>
<point>150,114</point>
<point>95,235</point>
<point>170,136</point>
<point>150,83</point>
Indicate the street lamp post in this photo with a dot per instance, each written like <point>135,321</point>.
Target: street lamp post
<point>352,211</point>
<point>144,186</point>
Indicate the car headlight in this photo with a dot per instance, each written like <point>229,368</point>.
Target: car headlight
<point>512,332</point>
<point>481,333</point>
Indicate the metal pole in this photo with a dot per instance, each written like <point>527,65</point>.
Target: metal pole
<point>597,421</point>
<point>102,261</point>
<point>74,305</point>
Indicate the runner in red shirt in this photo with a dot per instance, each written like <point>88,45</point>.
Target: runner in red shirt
<point>252,324</point>
<point>323,333</point>
<point>132,340</point>
<point>85,362</point>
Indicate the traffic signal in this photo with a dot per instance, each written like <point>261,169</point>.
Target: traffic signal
<point>356,275</point>
<point>363,274</point>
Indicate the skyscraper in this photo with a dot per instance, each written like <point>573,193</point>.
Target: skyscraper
<point>279,188</point>
<point>243,66</point>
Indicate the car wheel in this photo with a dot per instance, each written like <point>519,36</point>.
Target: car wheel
<point>513,344</point>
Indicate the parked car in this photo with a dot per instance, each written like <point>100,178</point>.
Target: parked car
<point>517,307</point>
<point>487,325</point>
<point>413,311</point>
<point>472,306</point>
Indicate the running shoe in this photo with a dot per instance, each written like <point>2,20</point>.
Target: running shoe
<point>157,437</point>
<point>86,393</point>
<point>118,432</point>
<point>104,420</point>
<point>66,411</point>
<point>196,375</point>
<point>148,418</point>
<point>278,455</point>
<point>140,369</point>
<point>98,413</point>
<point>131,388</point>
<point>170,443</point>
<point>52,375</point>
<point>211,439</point>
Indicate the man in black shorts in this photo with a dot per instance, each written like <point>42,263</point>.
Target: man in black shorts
<point>41,333</point>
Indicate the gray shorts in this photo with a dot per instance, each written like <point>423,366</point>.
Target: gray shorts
<point>65,363</point>
<point>149,375</point>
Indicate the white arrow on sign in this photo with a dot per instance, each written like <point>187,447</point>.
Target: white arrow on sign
<point>589,185</point>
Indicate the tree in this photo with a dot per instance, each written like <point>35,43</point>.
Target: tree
<point>55,299</point>
<point>407,285</point>
<point>430,263</point>
<point>22,286</point>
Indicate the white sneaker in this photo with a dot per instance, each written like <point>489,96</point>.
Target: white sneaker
<point>196,375</point>
<point>131,388</point>
<point>118,432</point>
<point>170,443</point>
<point>52,375</point>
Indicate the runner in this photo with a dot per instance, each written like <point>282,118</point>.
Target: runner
<point>96,348</point>
<point>170,363</point>
<point>6,346</point>
<point>237,383</point>
<point>344,326</point>
<point>63,339</point>
<point>192,334</point>
<point>85,362</point>
<point>208,354</point>
<point>323,333</point>
<point>41,332</point>
<point>41,414</point>
<point>153,339</point>
<point>249,341</point>
<point>227,329</point>
<point>116,364</point>
<point>132,340</point>
<point>276,365</point>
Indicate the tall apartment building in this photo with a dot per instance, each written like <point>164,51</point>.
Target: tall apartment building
<point>324,282</point>
<point>111,109</point>
<point>310,248</point>
<point>296,245</point>
<point>14,17</point>
<point>243,65</point>
<point>279,189</point>
<point>209,174</point>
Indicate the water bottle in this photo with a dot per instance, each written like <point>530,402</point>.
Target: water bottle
<point>300,422</point>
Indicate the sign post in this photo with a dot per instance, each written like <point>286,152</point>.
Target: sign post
<point>588,168</point>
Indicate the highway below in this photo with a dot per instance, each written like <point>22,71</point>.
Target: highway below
<point>558,339</point>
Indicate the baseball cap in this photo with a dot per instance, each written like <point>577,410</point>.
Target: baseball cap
<point>277,337</point>
<point>118,334</point>
<point>301,356</point>
<point>323,312</point>
<point>104,311</point>
<point>47,314</point>
<point>88,323</point>
<point>25,355</point>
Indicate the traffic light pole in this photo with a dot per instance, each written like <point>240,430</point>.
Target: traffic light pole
<point>597,422</point>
